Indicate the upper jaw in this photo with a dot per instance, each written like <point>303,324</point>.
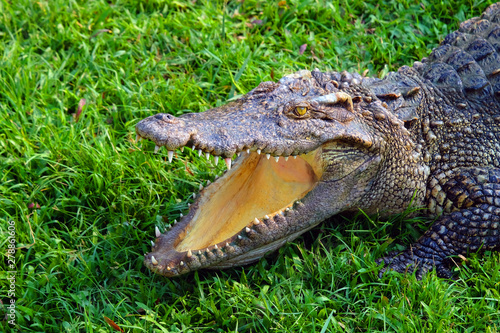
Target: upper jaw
<point>218,140</point>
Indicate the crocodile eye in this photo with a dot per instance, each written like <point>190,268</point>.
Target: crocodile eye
<point>301,110</point>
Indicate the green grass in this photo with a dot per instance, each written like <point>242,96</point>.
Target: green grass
<point>85,198</point>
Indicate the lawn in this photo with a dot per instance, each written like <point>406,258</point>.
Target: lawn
<point>83,198</point>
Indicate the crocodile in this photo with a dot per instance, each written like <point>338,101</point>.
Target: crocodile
<point>316,144</point>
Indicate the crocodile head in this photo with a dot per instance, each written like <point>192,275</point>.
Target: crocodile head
<point>309,148</point>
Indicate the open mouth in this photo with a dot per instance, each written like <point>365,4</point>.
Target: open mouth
<point>241,209</point>
<point>254,188</point>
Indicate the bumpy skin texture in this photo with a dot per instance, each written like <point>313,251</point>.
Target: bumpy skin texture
<point>459,129</point>
<point>432,130</point>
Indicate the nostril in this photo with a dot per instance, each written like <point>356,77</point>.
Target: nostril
<point>165,117</point>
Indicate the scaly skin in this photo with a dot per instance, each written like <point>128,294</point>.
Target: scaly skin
<point>430,132</point>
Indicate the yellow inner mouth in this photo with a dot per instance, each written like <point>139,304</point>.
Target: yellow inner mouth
<point>255,187</point>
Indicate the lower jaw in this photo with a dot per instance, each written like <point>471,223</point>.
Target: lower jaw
<point>254,241</point>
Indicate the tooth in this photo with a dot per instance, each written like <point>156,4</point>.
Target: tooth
<point>199,152</point>
<point>286,158</point>
<point>175,221</point>
<point>287,209</point>
<point>227,244</point>
<point>201,187</point>
<point>268,156</point>
<point>207,155</point>
<point>216,176</point>
<point>156,149</point>
<point>152,244</point>
<point>193,147</point>
<point>276,158</point>
<point>248,151</point>
<point>157,232</point>
<point>239,153</point>
<point>153,260</point>
<point>247,229</point>
<point>228,162</point>
<point>189,254</point>
<point>182,148</point>
<point>256,221</point>
<point>216,247</point>
<point>181,263</point>
<point>170,155</point>
<point>194,195</point>
<point>181,215</point>
<point>266,217</point>
<point>209,182</point>
<point>138,138</point>
<point>294,156</point>
<point>189,205</point>
<point>258,151</point>
<point>216,160</point>
<point>239,237</point>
